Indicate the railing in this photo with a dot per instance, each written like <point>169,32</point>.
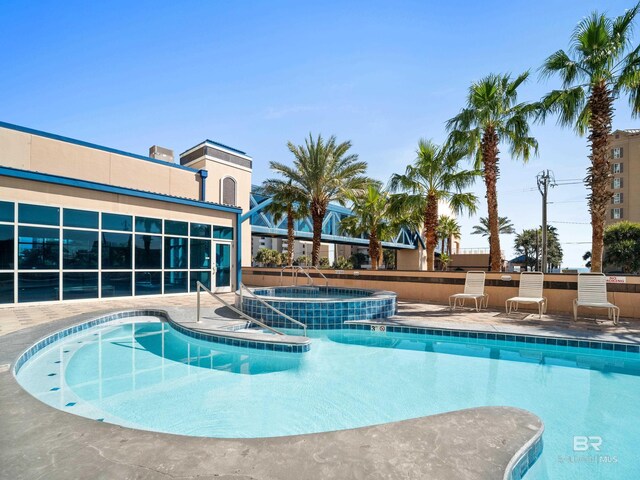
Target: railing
<point>326,280</point>
<point>200,286</point>
<point>298,268</point>
<point>294,273</point>
<point>267,304</point>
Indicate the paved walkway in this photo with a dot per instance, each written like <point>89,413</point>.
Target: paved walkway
<point>595,326</point>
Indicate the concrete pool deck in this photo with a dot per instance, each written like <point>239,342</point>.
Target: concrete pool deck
<point>38,441</point>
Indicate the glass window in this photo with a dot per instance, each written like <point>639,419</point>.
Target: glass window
<point>617,198</point>
<point>148,225</point>
<point>617,168</point>
<point>80,218</point>
<point>116,284</point>
<point>175,253</point>
<point>200,253</point>
<point>6,287</point>
<point>113,221</point>
<point>617,152</point>
<point>148,283</point>
<point>617,182</point>
<point>38,214</point>
<point>116,250</point>
<point>6,212</point>
<point>38,248</point>
<point>148,251</point>
<point>38,287</point>
<point>79,285</point>
<point>175,282</point>
<point>224,233</point>
<point>200,230</point>
<point>80,250</point>
<point>202,277</point>
<point>173,227</point>
<point>7,239</point>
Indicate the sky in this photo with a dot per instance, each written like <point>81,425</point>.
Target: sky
<point>257,74</point>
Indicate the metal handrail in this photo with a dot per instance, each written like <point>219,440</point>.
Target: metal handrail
<point>230,307</point>
<point>326,280</point>
<point>294,274</point>
<point>263,302</point>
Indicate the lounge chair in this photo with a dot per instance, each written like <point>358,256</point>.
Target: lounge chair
<point>529,291</point>
<point>592,293</point>
<point>473,288</point>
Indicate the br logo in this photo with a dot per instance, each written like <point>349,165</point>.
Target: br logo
<point>582,443</point>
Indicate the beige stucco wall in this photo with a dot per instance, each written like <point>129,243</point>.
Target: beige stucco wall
<point>560,301</point>
<point>46,155</point>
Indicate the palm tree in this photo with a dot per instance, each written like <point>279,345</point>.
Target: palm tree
<point>434,176</point>
<point>287,201</point>
<point>601,66</point>
<point>448,228</point>
<point>505,227</point>
<point>323,172</point>
<point>371,217</point>
<point>493,117</point>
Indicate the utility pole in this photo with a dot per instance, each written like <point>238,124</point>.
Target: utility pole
<point>544,179</point>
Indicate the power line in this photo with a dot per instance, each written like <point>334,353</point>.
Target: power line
<point>572,223</point>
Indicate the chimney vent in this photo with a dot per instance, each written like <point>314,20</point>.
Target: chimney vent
<point>161,153</point>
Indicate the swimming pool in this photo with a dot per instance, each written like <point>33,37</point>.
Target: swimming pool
<point>147,375</point>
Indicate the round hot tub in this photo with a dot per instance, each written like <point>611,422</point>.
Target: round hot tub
<point>319,307</point>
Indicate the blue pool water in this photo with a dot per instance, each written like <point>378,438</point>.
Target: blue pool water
<point>146,375</point>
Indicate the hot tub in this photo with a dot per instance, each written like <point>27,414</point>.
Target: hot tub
<point>319,307</point>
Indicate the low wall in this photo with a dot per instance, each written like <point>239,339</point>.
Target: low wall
<point>435,287</point>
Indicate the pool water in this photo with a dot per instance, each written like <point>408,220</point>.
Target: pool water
<point>146,375</point>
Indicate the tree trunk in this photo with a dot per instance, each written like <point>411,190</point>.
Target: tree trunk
<point>318,211</point>
<point>430,226</point>
<point>374,249</point>
<point>599,173</point>
<point>491,171</point>
<point>290,237</point>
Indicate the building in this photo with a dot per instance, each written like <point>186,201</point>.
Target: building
<point>82,221</point>
<point>625,181</point>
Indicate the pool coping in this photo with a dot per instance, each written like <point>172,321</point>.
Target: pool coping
<point>467,331</point>
<point>375,294</point>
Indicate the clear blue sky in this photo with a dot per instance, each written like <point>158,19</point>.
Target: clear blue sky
<point>257,74</point>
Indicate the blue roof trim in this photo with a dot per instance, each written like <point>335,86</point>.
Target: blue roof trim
<point>81,143</point>
<point>101,187</point>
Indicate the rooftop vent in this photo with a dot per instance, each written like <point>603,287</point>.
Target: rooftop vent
<point>161,153</point>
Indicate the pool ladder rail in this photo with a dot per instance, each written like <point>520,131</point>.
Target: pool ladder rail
<point>299,268</point>
<point>200,286</point>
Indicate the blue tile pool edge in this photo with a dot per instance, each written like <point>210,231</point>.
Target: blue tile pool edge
<point>164,316</point>
<point>501,336</point>
<point>525,457</point>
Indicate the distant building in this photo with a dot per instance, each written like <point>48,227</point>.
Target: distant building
<point>624,148</point>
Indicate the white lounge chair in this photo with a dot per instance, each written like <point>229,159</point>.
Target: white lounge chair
<point>473,288</point>
<point>592,293</point>
<point>529,291</point>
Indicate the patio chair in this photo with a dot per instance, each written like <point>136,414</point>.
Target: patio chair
<point>473,288</point>
<point>592,293</point>
<point>529,291</point>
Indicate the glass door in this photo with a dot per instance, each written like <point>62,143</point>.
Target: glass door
<point>223,267</point>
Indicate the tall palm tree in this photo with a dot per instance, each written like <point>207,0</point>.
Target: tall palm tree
<point>434,176</point>
<point>323,171</point>
<point>448,228</point>
<point>371,217</point>
<point>601,66</point>
<point>287,201</point>
<point>493,117</point>
<point>505,227</point>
